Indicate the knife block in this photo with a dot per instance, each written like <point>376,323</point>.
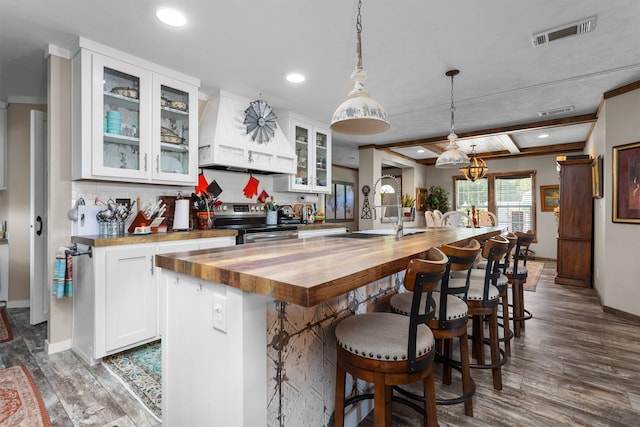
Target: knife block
<point>138,221</point>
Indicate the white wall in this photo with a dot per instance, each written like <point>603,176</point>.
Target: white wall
<point>617,245</point>
<point>414,175</point>
<point>546,174</point>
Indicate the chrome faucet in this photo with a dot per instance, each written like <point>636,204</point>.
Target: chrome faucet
<point>397,225</point>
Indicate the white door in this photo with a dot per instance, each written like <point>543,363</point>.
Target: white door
<point>38,234</point>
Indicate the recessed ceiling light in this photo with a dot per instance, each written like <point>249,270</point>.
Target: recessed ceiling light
<point>295,77</point>
<point>421,151</point>
<point>171,17</point>
<point>543,135</point>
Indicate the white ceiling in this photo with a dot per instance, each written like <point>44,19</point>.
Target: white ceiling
<point>247,47</point>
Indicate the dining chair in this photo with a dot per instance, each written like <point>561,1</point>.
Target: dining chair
<point>430,219</point>
<point>437,215</point>
<point>487,219</point>
<point>455,219</point>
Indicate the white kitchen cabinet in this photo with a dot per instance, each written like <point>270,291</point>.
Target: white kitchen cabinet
<point>313,149</point>
<point>116,302</point>
<point>131,296</point>
<point>131,122</point>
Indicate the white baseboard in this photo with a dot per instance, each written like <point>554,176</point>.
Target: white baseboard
<point>57,347</point>
<point>18,303</point>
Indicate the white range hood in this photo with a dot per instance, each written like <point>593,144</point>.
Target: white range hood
<point>224,141</point>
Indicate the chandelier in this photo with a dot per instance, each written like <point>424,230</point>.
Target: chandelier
<point>477,167</point>
<point>359,114</point>
<point>452,157</point>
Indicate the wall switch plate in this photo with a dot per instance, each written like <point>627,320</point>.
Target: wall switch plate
<point>220,312</point>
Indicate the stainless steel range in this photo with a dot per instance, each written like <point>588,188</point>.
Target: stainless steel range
<point>250,220</point>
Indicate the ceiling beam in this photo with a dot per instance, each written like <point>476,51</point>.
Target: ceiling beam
<point>524,152</point>
<point>525,127</point>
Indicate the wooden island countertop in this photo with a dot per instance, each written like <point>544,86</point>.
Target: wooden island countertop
<point>307,272</point>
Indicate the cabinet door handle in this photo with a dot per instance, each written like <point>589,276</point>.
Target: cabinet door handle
<point>145,162</point>
<point>151,260</point>
<point>39,219</point>
<point>157,163</point>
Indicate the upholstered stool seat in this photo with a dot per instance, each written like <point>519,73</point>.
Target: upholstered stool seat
<point>456,307</point>
<point>389,350</point>
<point>477,274</point>
<point>521,270</point>
<point>476,292</point>
<point>387,338</point>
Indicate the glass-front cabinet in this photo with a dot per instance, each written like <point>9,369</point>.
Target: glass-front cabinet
<point>313,148</point>
<point>131,123</point>
<point>176,113</point>
<point>122,120</point>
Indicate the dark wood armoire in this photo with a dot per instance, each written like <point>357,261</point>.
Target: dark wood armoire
<point>575,226</point>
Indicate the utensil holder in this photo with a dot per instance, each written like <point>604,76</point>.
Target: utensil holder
<point>272,217</point>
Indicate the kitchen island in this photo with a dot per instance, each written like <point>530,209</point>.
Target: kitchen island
<point>254,323</point>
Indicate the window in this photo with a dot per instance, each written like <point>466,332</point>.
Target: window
<point>339,205</point>
<point>510,196</point>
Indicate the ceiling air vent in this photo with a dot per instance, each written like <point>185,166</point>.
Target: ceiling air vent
<point>569,30</point>
<point>556,111</point>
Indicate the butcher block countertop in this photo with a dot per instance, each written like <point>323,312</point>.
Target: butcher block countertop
<point>132,239</point>
<point>307,272</point>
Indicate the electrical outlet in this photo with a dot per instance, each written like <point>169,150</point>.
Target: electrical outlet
<point>220,312</point>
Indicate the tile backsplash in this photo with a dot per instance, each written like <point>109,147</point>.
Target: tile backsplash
<point>232,184</point>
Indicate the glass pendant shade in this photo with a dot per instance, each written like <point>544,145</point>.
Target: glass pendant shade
<point>359,114</point>
<point>452,157</point>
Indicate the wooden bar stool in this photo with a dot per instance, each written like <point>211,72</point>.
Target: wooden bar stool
<point>503,290</point>
<point>516,272</point>
<point>389,350</point>
<point>450,321</point>
<point>482,299</point>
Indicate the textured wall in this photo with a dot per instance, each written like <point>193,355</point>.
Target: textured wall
<point>301,354</point>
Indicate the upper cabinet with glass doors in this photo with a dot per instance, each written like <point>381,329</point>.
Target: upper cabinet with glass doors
<point>131,123</point>
<point>313,148</point>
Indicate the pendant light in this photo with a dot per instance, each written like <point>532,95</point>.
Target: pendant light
<point>477,168</point>
<point>359,114</point>
<point>452,157</point>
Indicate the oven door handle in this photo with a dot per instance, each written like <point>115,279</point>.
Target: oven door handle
<point>270,236</point>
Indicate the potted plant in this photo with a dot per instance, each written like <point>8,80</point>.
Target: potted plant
<point>438,199</point>
<point>407,203</point>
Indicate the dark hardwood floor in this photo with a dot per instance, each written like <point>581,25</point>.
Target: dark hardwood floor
<point>574,366</point>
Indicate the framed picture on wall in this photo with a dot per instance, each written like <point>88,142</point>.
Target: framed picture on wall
<point>550,197</point>
<point>421,199</point>
<point>626,183</point>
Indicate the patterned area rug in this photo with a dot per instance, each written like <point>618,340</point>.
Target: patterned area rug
<point>5,329</point>
<point>534,269</point>
<point>140,370</point>
<point>20,401</point>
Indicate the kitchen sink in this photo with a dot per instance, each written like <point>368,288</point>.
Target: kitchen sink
<point>368,234</point>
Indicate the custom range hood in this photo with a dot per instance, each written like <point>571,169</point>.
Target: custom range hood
<point>241,134</point>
